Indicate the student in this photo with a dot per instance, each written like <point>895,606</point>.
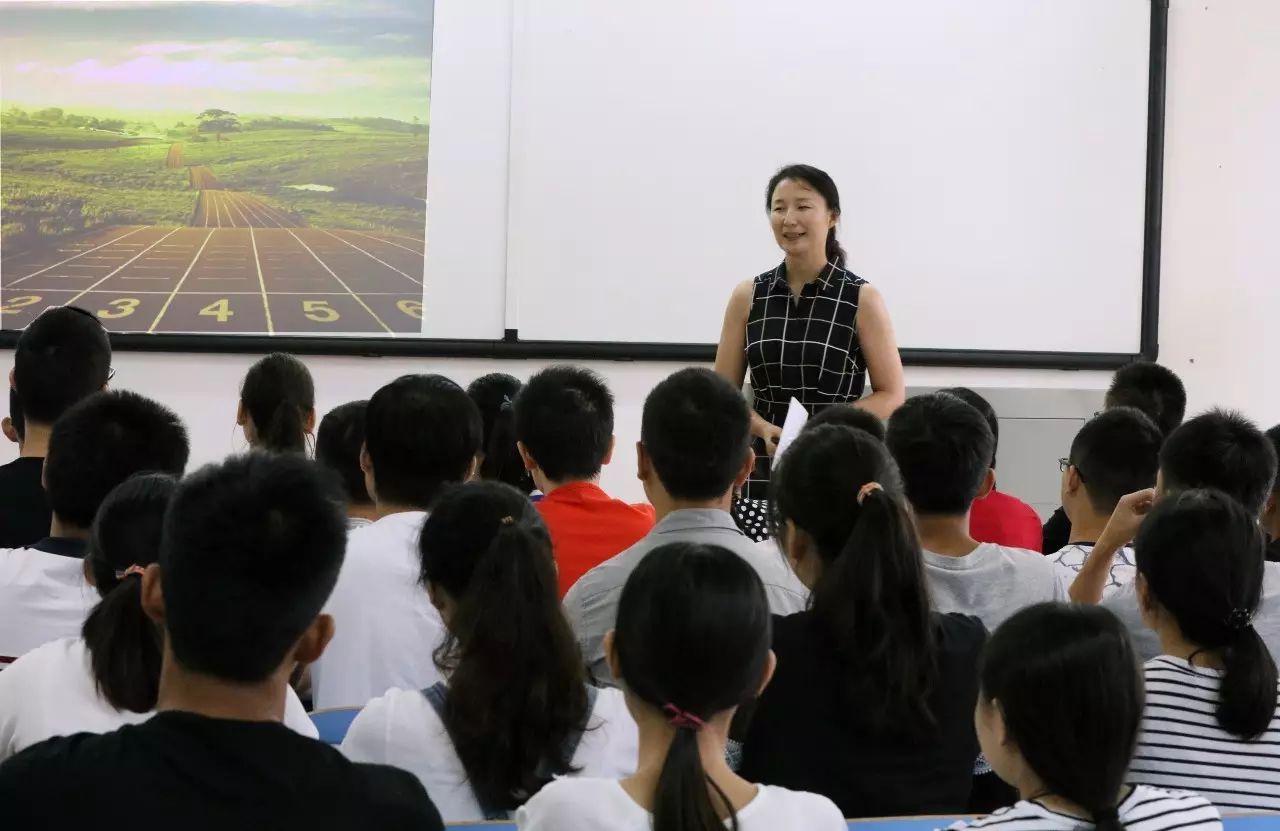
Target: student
<point>13,426</point>
<point>500,460</point>
<point>109,676</point>
<point>691,647</point>
<point>1057,716</point>
<point>943,447</point>
<point>564,432</point>
<point>1210,723</point>
<point>999,517</point>
<point>872,703</point>
<point>251,549</point>
<point>277,409</point>
<point>338,444</point>
<point>516,710</point>
<point>94,446</point>
<point>1271,514</point>
<point>1145,386</point>
<point>62,357</point>
<point>422,433</point>
<point>848,416</point>
<point>1117,452</point>
<point>693,453</point>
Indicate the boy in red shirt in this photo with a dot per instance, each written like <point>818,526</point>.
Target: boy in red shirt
<point>564,431</point>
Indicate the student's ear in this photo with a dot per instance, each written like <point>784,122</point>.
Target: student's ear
<point>744,473</point>
<point>309,424</point>
<point>608,454</point>
<point>1147,605</point>
<point>474,468</point>
<point>770,665</point>
<point>13,378</point>
<point>441,601</point>
<point>314,640</point>
<point>644,465</point>
<point>1072,481</point>
<point>242,415</point>
<point>87,570</point>
<point>988,483</point>
<point>153,595</point>
<point>529,463</point>
<point>801,555</point>
<point>1268,510</point>
<point>611,656</point>
<point>9,432</point>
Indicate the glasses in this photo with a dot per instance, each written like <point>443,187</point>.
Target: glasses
<point>1065,462</point>
<point>111,373</point>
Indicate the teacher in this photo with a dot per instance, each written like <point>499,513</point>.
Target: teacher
<point>808,329</point>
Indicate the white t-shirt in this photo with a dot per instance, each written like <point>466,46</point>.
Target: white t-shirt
<point>385,626</point>
<point>575,804</point>
<point>50,692</point>
<point>1145,809</point>
<point>1124,567</point>
<point>402,729</point>
<point>43,596</point>
<point>994,581</point>
<point>787,595</point>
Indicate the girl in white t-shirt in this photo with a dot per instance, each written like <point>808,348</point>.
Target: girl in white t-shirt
<point>1057,717</point>
<point>691,646</point>
<point>108,677</point>
<point>516,710</point>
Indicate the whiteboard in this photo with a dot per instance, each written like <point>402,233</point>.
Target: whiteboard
<point>990,156</point>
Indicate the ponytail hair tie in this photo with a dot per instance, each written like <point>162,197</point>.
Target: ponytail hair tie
<point>865,490</point>
<point>682,720</point>
<point>508,520</point>
<point>1239,619</point>
<point>133,569</point>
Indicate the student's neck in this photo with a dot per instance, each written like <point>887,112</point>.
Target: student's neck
<point>62,530</point>
<point>945,535</point>
<point>547,486</point>
<point>1086,526</point>
<point>386,509</point>
<point>35,441</point>
<point>1173,644</point>
<point>362,510</point>
<point>804,270</point>
<point>664,504</point>
<point>192,692</point>
<point>656,736</point>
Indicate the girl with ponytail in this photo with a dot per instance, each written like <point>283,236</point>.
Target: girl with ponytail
<point>1057,718</point>
<point>515,710</point>
<point>278,405</point>
<point>691,646</point>
<point>500,460</point>
<point>1211,722</point>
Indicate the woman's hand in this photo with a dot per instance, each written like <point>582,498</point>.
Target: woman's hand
<point>770,433</point>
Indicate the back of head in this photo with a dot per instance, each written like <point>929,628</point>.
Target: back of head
<point>696,430</point>
<point>944,449</point>
<point>484,547</point>
<point>495,395</point>
<point>422,432</point>
<point>1223,450</point>
<point>692,639</point>
<point>62,357</point>
<point>250,553</point>
<point>338,444</point>
<point>1152,388</point>
<point>564,418</point>
<point>102,441</point>
<point>872,597</point>
<point>123,643</point>
<point>278,395</point>
<point>1066,681</point>
<point>848,416</point>
<point>1201,554</point>
<point>1116,452</point>
<point>983,406</point>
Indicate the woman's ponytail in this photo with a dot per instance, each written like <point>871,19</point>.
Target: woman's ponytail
<point>681,801</point>
<point>835,252</point>
<point>278,395</point>
<point>1247,697</point>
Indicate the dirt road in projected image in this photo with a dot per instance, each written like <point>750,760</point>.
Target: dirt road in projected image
<point>174,159</point>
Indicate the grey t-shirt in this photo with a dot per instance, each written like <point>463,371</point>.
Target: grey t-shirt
<point>994,581</point>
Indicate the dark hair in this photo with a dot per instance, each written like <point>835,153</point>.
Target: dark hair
<point>495,395</point>
<point>820,181</point>
<point>1273,435</point>
<point>16,417</point>
<point>1115,453</point>
<point>1152,388</point>
<point>564,418</point>
<point>278,394</point>
<point>848,416</point>
<point>693,632</point>
<point>872,599</point>
<point>696,429</point>
<point>62,357</point>
<point>422,432</point>
<point>944,448</point>
<point>1202,554</point>
<point>1223,450</point>
<point>983,406</point>
<point>250,554</point>
<point>517,688</point>
<point>123,643</point>
<point>102,441</point>
<point>1068,685</point>
<point>338,444</point>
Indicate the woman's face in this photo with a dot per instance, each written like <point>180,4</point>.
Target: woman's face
<point>800,219</point>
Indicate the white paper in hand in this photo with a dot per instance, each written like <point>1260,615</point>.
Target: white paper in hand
<point>797,415</point>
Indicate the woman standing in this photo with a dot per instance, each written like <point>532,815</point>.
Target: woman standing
<point>808,329</point>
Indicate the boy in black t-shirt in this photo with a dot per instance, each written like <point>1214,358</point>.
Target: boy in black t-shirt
<point>251,551</point>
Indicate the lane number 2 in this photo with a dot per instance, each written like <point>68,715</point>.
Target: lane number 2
<point>17,303</point>
<point>413,308</point>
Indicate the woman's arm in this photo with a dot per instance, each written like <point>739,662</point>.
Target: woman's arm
<point>880,348</point>
<point>731,354</point>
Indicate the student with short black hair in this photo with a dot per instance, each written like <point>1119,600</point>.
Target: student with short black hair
<point>872,703</point>
<point>564,432</point>
<point>694,452</point>
<point>848,416</point>
<point>422,434</point>
<point>1057,717</point>
<point>516,710</point>
<point>94,446</point>
<point>691,646</point>
<point>1116,453</point>
<point>500,459</point>
<point>338,444</point>
<point>943,447</point>
<point>250,550</point>
<point>277,409</point>
<point>62,357</point>
<point>1211,721</point>
<point>1271,514</point>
